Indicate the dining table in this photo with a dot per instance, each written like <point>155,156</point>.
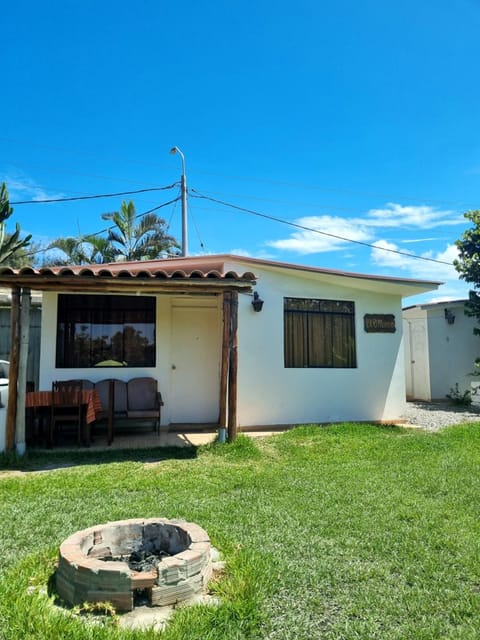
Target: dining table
<point>89,398</point>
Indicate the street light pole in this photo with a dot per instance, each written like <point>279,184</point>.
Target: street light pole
<point>183,188</point>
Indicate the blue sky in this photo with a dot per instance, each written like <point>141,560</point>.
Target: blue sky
<point>356,118</point>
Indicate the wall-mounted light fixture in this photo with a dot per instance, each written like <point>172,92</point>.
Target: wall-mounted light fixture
<point>257,302</point>
<point>449,316</point>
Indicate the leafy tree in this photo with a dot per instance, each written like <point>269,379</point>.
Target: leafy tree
<point>11,245</point>
<point>138,239</point>
<point>468,264</point>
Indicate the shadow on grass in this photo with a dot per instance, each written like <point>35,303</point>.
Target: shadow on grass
<point>40,460</point>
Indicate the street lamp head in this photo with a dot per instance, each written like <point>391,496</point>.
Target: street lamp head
<point>175,150</point>
<point>183,187</point>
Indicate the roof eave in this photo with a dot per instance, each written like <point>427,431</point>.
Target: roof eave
<point>126,285</point>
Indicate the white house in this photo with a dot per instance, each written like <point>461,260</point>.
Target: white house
<point>440,349</point>
<point>326,346</point>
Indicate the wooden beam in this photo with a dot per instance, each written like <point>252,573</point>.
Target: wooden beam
<point>222,420</point>
<point>13,369</point>
<point>233,367</point>
<point>22,372</point>
<point>127,285</point>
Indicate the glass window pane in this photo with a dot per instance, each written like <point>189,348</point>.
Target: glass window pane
<point>93,330</point>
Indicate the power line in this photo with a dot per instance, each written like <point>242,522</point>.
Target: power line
<point>97,233</point>
<point>325,207</point>
<point>196,194</point>
<point>100,195</point>
<point>296,185</point>
<point>197,230</point>
<point>356,192</point>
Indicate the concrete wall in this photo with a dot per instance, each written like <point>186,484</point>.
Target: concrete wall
<point>450,349</point>
<point>3,416</point>
<point>167,371</point>
<point>268,393</point>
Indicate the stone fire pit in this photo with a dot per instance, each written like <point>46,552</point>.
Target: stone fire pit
<point>94,563</point>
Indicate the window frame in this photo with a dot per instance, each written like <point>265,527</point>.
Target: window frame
<point>106,317</point>
<point>314,329</point>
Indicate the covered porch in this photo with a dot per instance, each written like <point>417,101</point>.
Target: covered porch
<point>188,435</point>
<point>209,286</point>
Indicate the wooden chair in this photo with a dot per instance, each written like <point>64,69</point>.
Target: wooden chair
<point>67,408</point>
<point>87,385</point>
<point>113,396</point>
<point>144,400</point>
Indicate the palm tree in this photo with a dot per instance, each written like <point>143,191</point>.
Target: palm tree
<point>91,249</point>
<point>10,243</point>
<point>71,249</point>
<point>138,238</point>
<point>99,249</point>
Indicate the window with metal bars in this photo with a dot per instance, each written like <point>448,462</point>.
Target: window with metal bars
<point>319,333</point>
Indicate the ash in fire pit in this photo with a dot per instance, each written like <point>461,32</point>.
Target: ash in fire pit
<point>140,560</point>
<point>166,560</point>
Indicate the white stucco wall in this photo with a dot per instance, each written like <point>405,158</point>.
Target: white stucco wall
<point>451,348</point>
<point>164,371</point>
<point>269,393</point>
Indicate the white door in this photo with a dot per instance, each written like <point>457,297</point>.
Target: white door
<point>195,366</point>
<point>419,367</point>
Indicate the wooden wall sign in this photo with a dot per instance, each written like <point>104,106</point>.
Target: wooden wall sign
<point>379,323</point>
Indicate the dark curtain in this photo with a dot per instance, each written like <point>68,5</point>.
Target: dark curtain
<point>317,338</point>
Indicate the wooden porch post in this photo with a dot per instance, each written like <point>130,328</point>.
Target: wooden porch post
<point>22,371</point>
<point>13,369</point>
<point>233,367</point>
<point>222,419</point>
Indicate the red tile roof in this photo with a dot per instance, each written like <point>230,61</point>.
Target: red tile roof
<point>220,270</point>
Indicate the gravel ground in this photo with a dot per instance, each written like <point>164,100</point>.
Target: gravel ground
<point>435,415</point>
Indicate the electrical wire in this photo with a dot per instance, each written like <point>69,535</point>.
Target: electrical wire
<point>197,194</point>
<point>113,226</point>
<point>174,208</point>
<point>254,179</point>
<point>356,192</point>
<point>197,230</point>
<point>100,195</point>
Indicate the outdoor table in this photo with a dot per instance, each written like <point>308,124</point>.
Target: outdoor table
<point>89,398</point>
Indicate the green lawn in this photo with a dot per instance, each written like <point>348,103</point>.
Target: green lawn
<point>345,532</point>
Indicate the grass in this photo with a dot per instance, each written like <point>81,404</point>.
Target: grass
<point>345,532</point>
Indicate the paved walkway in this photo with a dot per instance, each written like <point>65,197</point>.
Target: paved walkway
<point>149,439</point>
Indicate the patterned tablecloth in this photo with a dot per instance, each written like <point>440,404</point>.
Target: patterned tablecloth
<point>89,398</point>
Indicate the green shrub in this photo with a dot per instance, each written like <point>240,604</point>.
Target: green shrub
<point>459,398</point>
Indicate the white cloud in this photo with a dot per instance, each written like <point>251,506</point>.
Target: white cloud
<point>315,237</point>
<point>260,254</point>
<point>423,217</point>
<point>241,252</point>
<point>414,240</point>
<point>22,187</point>
<point>312,239</point>
<point>452,288</point>
<point>384,255</point>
